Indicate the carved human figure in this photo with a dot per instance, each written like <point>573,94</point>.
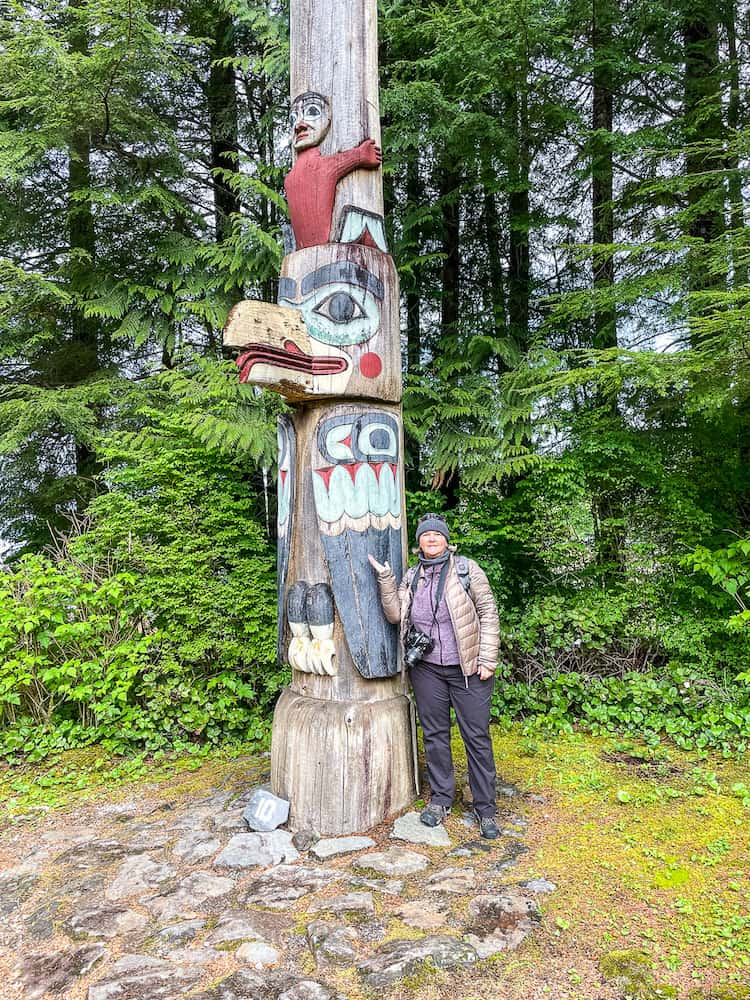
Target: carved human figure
<point>311,183</point>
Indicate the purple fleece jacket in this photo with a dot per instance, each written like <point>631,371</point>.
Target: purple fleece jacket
<point>445,648</point>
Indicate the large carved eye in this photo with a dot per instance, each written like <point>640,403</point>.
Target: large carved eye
<point>375,439</point>
<point>313,111</point>
<point>340,308</point>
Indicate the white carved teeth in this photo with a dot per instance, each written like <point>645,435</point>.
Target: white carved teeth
<point>367,494</point>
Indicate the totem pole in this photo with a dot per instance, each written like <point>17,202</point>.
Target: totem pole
<point>342,750</point>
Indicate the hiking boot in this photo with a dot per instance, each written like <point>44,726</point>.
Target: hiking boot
<point>433,815</point>
<point>488,828</point>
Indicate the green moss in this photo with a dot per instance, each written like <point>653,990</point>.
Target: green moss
<point>631,970</point>
<point>725,992</point>
<point>631,964</point>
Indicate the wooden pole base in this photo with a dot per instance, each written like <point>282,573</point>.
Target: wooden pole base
<point>344,767</point>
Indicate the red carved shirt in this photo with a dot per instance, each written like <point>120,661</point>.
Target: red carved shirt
<point>311,192</point>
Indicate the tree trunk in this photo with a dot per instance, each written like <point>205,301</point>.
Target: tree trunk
<point>80,360</point>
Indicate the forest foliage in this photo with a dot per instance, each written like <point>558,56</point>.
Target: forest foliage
<point>566,190</point>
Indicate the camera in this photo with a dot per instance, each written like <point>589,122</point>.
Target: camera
<point>416,644</point>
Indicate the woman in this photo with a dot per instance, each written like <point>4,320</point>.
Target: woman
<point>447,599</point>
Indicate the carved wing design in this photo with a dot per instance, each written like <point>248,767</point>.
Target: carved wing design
<point>287,457</point>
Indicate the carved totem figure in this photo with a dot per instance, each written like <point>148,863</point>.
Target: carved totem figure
<point>342,747</point>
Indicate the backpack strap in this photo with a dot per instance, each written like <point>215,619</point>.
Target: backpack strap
<point>464,575</point>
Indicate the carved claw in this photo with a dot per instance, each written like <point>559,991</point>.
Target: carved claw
<point>321,656</point>
<point>299,653</point>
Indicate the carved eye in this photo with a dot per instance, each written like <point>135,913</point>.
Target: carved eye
<point>292,119</point>
<point>312,111</point>
<point>340,308</point>
<point>377,440</point>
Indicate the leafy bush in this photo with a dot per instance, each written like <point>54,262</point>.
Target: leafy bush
<point>153,623</point>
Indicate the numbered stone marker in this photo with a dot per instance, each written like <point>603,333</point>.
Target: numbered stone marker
<point>266,811</point>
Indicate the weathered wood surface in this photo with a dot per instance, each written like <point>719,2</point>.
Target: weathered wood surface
<point>344,767</point>
<point>334,52</point>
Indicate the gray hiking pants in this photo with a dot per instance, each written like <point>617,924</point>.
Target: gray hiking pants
<point>436,690</point>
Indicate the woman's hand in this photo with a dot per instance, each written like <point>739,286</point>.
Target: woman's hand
<point>485,673</point>
<point>380,568</point>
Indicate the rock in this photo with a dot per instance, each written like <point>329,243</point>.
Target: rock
<point>281,886</point>
<point>191,893</point>
<point>352,902</point>
<point>231,819</point>
<point>196,846</point>
<point>265,811</point>
<point>137,876</point>
<point>258,954</point>
<point>472,848</point>
<point>330,847</point>
<point>95,854</point>
<point>397,959</point>
<point>452,880</point>
<point>40,924</point>
<point>372,930</point>
<point>303,840</point>
<point>246,985</point>
<point>136,977</point>
<point>409,827</point>
<point>55,842</point>
<point>196,956</point>
<point>507,790</point>
<point>539,800</point>
<point>253,850</point>
<point>181,932</point>
<point>395,861</point>
<point>538,885</point>
<point>331,943</point>
<point>233,928</point>
<point>307,989</point>
<point>422,913</point>
<point>105,922</point>
<point>390,886</point>
<point>16,885</point>
<point>509,857</point>
<point>53,972</point>
<point>501,921</point>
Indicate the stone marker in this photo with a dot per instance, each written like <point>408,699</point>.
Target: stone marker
<point>265,811</point>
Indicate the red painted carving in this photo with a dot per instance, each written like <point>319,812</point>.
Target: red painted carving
<point>311,188</point>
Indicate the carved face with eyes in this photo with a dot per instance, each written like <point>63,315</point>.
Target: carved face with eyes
<point>349,346</point>
<point>309,120</point>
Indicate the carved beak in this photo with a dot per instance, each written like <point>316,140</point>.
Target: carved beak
<point>289,356</point>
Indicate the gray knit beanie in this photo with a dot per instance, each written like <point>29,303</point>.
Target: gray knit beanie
<point>433,522</point>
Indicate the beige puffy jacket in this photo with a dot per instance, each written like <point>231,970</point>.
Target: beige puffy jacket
<point>473,614</point>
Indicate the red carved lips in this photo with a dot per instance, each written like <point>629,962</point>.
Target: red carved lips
<point>301,130</point>
<point>290,357</point>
